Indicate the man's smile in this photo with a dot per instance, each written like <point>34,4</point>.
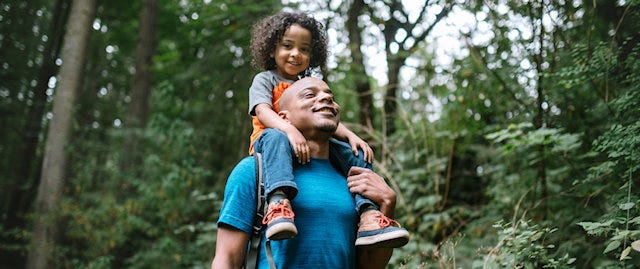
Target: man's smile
<point>326,109</point>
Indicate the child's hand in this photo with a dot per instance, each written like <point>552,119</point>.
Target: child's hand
<point>357,143</point>
<point>300,146</point>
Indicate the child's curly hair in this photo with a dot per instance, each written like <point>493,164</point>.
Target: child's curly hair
<point>269,31</point>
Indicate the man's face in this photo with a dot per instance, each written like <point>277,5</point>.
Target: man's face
<point>312,107</point>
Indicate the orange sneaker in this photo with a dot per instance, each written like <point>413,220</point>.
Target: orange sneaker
<point>375,230</point>
<point>279,221</point>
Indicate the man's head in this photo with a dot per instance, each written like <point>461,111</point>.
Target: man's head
<point>309,106</point>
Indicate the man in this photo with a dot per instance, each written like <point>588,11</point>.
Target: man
<point>325,214</point>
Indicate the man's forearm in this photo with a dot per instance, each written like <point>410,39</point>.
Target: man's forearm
<point>373,258</point>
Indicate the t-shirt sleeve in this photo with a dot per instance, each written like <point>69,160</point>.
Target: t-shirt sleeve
<point>239,204</point>
<point>261,91</point>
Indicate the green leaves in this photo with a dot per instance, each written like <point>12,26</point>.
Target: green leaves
<point>520,136</point>
<point>626,206</point>
<point>524,245</point>
<point>611,246</point>
<point>596,228</point>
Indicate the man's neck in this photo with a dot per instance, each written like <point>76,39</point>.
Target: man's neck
<point>319,148</point>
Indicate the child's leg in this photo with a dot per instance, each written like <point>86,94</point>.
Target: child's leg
<point>277,162</point>
<point>277,176</point>
<point>343,158</point>
<point>375,230</point>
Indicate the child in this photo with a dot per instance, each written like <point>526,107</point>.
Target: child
<point>288,46</point>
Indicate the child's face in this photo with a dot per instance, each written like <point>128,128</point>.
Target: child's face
<point>293,52</point>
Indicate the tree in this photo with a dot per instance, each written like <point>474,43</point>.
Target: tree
<point>402,35</point>
<point>52,178</point>
<point>19,189</point>
<point>141,85</point>
<point>361,80</point>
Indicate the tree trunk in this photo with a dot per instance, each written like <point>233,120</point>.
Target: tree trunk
<point>33,125</point>
<point>25,178</point>
<point>141,85</point>
<point>52,178</point>
<point>395,60</point>
<point>363,87</point>
<point>391,99</point>
<point>538,120</point>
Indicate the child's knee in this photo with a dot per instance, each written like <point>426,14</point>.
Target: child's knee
<point>273,133</point>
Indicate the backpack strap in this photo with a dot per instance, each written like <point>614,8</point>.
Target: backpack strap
<point>260,197</point>
<point>251,260</point>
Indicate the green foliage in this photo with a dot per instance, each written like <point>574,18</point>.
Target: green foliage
<point>621,226</point>
<point>473,147</point>
<point>616,175</point>
<point>515,177</point>
<point>162,213</point>
<point>522,245</point>
<point>165,206</point>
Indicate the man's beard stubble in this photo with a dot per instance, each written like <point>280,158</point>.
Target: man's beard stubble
<point>329,128</point>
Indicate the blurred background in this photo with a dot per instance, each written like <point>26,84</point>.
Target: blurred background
<point>508,129</point>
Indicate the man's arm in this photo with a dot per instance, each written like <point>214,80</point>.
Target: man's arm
<point>236,217</point>
<point>373,258</point>
<point>373,186</point>
<point>231,248</point>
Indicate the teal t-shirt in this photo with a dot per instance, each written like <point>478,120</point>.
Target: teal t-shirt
<point>324,215</point>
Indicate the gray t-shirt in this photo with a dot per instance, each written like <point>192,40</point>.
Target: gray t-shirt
<point>261,90</point>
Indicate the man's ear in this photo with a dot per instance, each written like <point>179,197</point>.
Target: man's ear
<point>284,114</point>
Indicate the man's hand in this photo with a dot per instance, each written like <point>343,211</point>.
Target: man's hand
<point>371,185</point>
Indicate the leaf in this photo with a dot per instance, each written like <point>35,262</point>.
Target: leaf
<point>592,227</point>
<point>625,253</point>
<point>626,206</point>
<point>636,245</point>
<point>613,245</point>
<point>587,225</point>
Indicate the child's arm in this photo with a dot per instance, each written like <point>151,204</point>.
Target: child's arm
<point>270,119</point>
<point>344,134</point>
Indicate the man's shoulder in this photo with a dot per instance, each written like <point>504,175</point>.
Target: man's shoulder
<point>247,163</point>
<point>239,195</point>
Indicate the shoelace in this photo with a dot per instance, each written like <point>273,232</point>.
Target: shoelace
<point>279,210</point>
<point>385,221</point>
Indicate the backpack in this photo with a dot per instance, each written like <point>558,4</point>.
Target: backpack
<point>251,259</point>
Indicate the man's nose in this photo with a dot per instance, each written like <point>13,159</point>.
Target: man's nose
<point>325,97</point>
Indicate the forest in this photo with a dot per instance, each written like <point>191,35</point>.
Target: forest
<point>509,130</point>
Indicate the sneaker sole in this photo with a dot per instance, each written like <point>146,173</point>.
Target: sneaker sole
<point>282,231</point>
<point>393,239</point>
